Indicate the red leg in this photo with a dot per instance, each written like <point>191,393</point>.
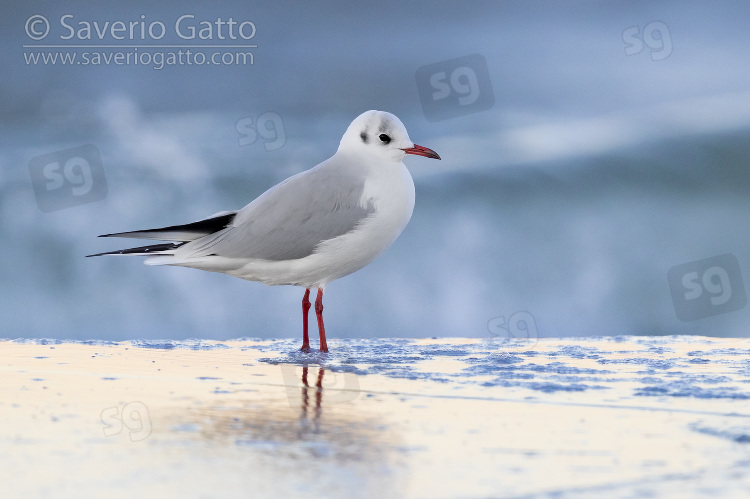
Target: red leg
<point>305,308</point>
<point>321,327</point>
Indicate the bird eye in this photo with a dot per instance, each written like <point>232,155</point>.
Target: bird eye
<point>384,138</point>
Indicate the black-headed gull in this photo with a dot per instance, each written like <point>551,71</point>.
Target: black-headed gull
<point>310,229</point>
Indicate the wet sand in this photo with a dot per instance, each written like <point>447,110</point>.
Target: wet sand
<point>593,417</point>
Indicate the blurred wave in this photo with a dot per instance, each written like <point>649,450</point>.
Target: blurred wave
<point>583,242</point>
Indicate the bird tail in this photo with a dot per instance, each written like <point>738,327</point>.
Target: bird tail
<point>163,254</point>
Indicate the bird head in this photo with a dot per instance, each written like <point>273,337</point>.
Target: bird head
<point>381,134</point>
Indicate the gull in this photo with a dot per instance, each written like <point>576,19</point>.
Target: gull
<point>311,229</point>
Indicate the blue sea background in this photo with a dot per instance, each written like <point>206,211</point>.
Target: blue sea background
<point>591,175</point>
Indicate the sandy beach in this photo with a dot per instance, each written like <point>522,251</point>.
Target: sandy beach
<point>595,417</point>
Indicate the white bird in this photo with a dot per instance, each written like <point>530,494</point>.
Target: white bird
<point>313,227</point>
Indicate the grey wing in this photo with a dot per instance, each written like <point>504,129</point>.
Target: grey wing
<point>291,219</point>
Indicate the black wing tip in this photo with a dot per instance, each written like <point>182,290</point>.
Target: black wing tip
<point>200,228</point>
<point>153,249</point>
<point>126,234</point>
<point>119,252</point>
<point>101,254</point>
<point>119,234</point>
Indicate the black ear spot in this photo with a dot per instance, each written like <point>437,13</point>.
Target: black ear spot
<point>385,139</point>
<point>363,136</point>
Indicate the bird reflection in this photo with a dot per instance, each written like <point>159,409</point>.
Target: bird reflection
<point>289,428</point>
<point>317,410</point>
